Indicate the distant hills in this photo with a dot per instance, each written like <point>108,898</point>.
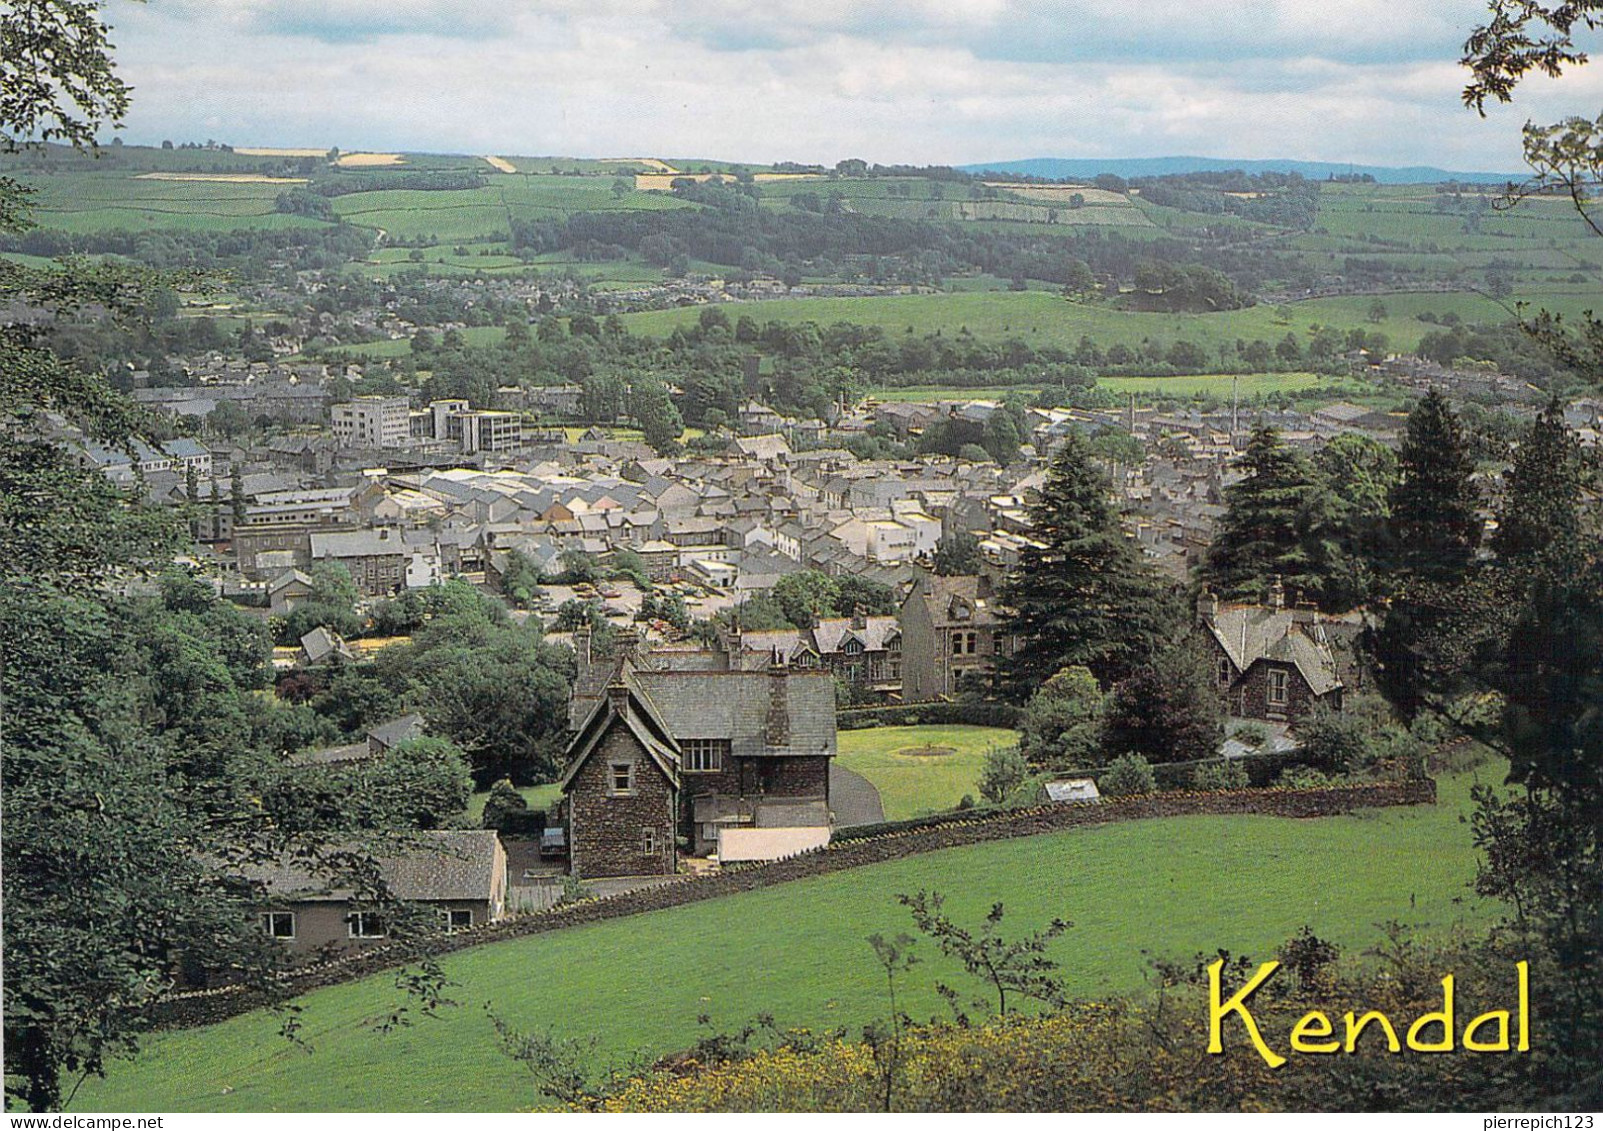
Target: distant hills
<point>1058,168</point>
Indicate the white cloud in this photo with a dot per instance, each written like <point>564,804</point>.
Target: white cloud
<point>923,81</point>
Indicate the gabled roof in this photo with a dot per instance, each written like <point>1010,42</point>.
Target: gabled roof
<point>287,578</point>
<point>762,714</point>
<point>396,731</point>
<point>642,719</point>
<point>832,633</point>
<point>1250,633</point>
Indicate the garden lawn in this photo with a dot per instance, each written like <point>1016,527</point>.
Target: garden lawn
<point>538,797</point>
<point>910,784</point>
<point>1173,887</point>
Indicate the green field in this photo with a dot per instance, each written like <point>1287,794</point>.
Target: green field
<point>1174,887</point>
<point>1040,318</point>
<point>910,784</point>
<point>1248,385</point>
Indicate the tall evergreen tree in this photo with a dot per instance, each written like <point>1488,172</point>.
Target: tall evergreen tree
<point>1084,596</point>
<point>1281,520</point>
<point>1435,521</point>
<point>1543,489</point>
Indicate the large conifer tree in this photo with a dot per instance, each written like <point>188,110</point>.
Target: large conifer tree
<point>1281,520</point>
<point>1435,519</point>
<point>1543,487</point>
<point>1085,596</point>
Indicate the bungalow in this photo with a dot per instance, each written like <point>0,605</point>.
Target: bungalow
<point>460,874</point>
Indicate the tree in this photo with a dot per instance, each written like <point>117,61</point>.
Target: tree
<point>1020,968</point>
<point>236,494</point>
<point>1283,522</point>
<point>1062,721</point>
<point>504,801</point>
<point>806,597</point>
<point>57,78</point>
<point>1542,490</point>
<point>659,420</point>
<point>1005,770</point>
<point>1168,707</point>
<point>958,555</point>
<point>872,598</point>
<point>1435,507</point>
<point>1377,311</point>
<point>1084,596</point>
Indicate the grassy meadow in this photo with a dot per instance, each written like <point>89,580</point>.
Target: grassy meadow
<point>1041,318</point>
<point>1172,887</point>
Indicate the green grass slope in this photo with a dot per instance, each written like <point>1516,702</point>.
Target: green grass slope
<point>1173,887</point>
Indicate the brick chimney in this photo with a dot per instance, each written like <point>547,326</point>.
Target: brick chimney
<point>1277,594</point>
<point>618,696</point>
<point>859,618</point>
<point>1207,608</point>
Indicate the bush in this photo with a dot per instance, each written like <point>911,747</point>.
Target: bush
<point>1224,774</point>
<point>1303,777</point>
<point>1336,741</point>
<point>1127,774</point>
<point>1253,734</point>
<point>503,802</point>
<point>1062,721</point>
<point>1005,770</point>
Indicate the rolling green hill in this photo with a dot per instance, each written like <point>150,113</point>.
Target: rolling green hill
<point>1172,887</point>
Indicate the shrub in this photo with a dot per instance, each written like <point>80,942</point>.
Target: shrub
<point>1005,770</point>
<point>1127,774</point>
<point>1336,741</point>
<point>1062,721</point>
<point>503,802</point>
<point>1224,774</point>
<point>1302,777</point>
<point>1253,734</point>
<point>979,714</point>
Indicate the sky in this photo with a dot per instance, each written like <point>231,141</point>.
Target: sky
<point>915,81</point>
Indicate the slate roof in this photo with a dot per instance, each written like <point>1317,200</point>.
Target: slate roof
<point>738,706</point>
<point>956,601</point>
<point>357,544</point>
<point>831,633</point>
<point>1250,633</point>
<point>391,734</point>
<point>287,578</point>
<point>332,755</point>
<point>446,864</point>
<point>320,643</point>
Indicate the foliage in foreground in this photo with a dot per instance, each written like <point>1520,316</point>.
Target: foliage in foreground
<point>1149,1054</point>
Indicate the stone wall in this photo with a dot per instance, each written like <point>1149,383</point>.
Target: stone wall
<point>607,832</point>
<point>890,842</point>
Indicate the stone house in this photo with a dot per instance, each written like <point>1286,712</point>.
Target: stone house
<point>674,748</point>
<point>953,637</point>
<point>1270,662</point>
<point>460,874</point>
